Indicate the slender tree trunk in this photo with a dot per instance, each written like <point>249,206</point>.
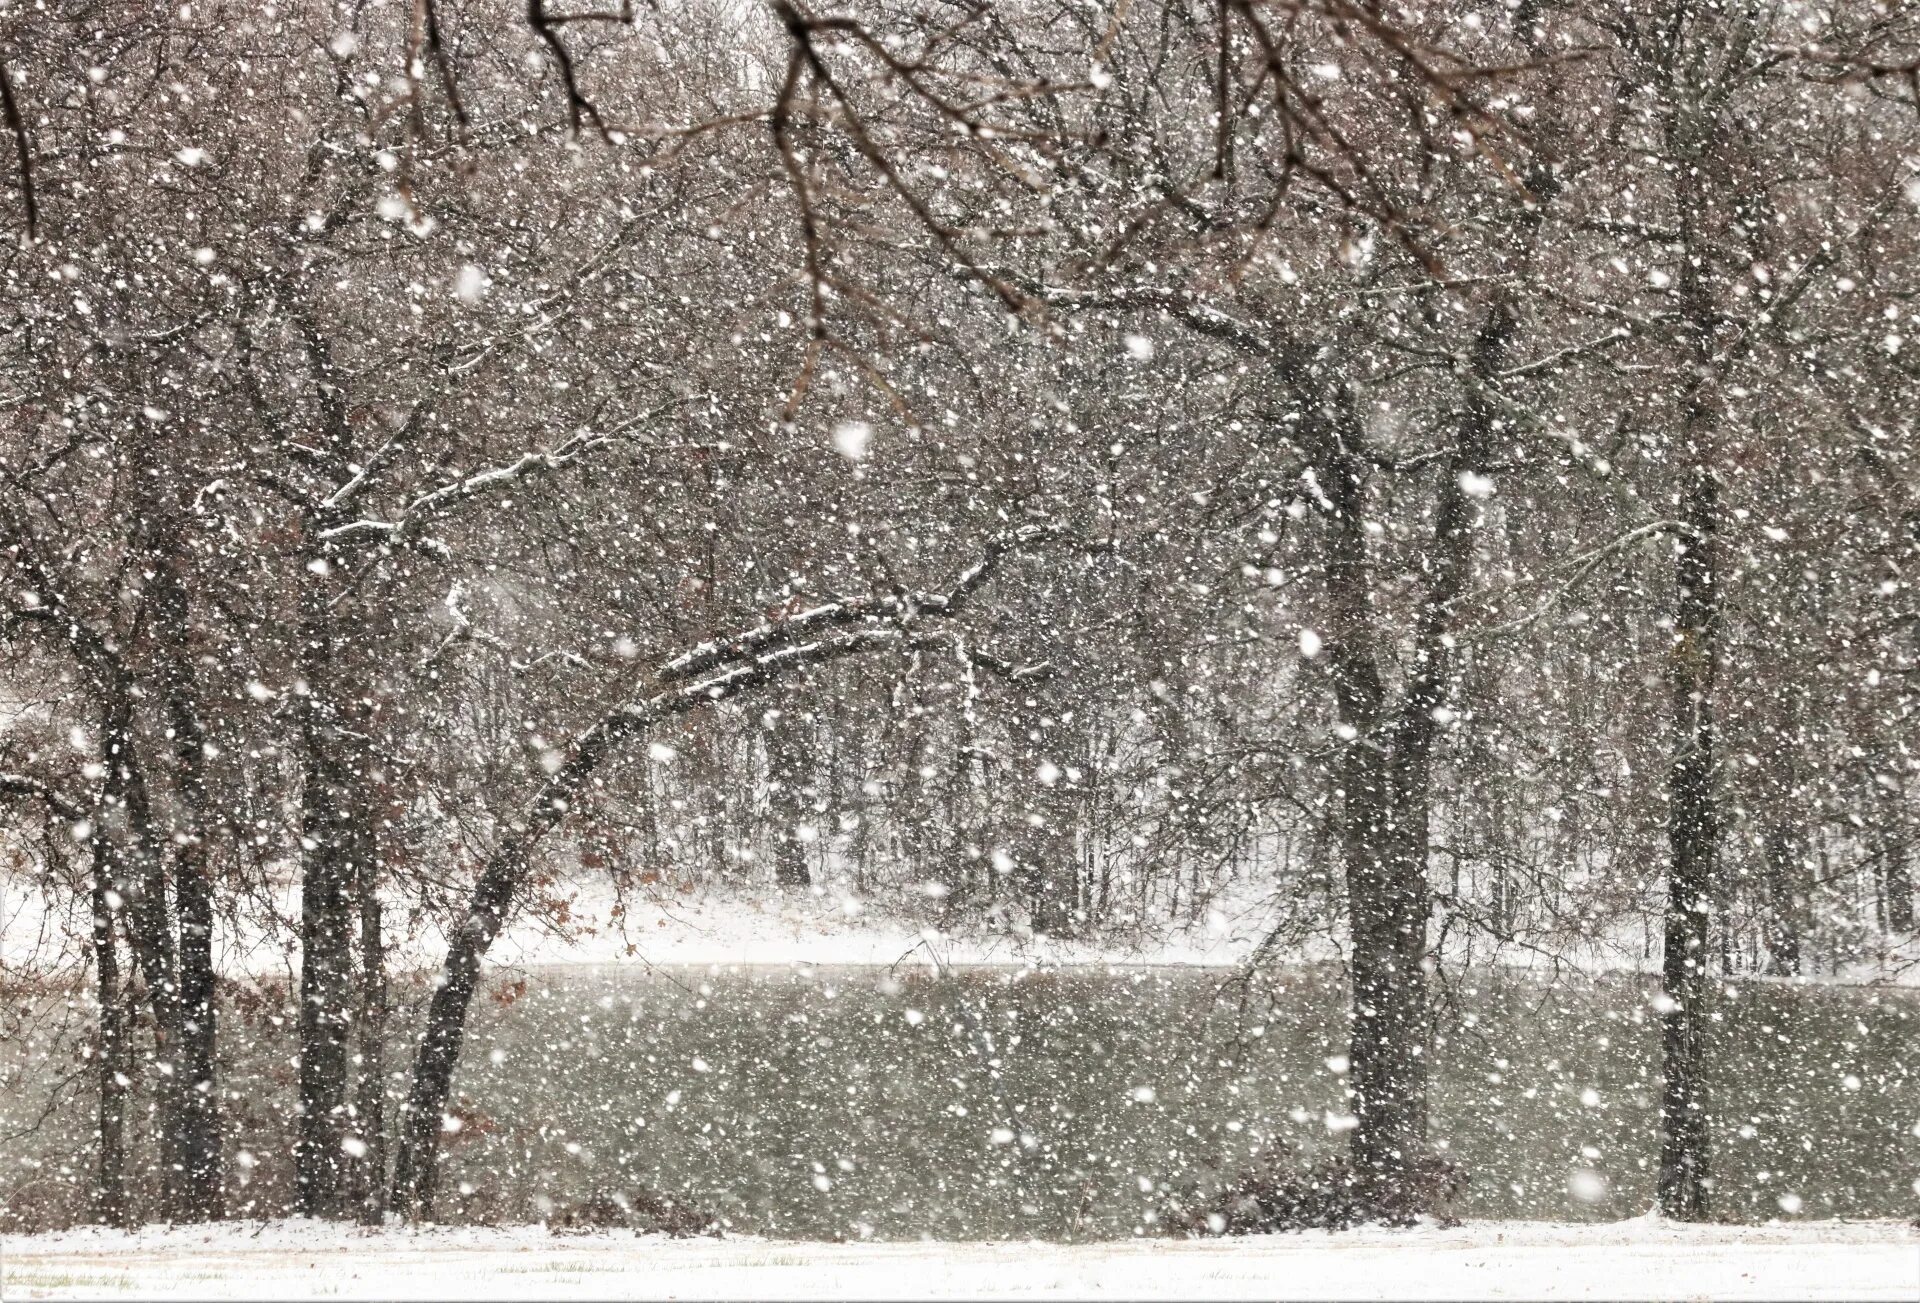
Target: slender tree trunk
<point>415,1167</point>
<point>790,765</point>
<point>111,1202</point>
<point>201,1139</point>
<point>1899,877</point>
<point>1693,838</point>
<point>416,1160</point>
<point>370,1096</point>
<point>149,926</point>
<point>1899,888</point>
<point>1694,884</point>
<point>1041,838</point>
<point>1783,839</point>
<point>193,902</point>
<point>196,1166</point>
<point>416,1156</point>
<point>326,993</point>
<point>1784,852</point>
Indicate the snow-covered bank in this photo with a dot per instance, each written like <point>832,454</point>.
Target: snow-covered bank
<point>727,925</point>
<point>586,922</point>
<point>1635,1259</point>
<point>827,928</point>
<point>715,925</point>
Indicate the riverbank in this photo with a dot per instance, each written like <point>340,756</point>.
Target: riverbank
<point>587,923</point>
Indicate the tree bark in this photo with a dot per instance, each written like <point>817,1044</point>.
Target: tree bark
<point>200,1138</point>
<point>112,1055</point>
<point>1783,837</point>
<point>790,762</point>
<point>1693,838</point>
<point>326,977</point>
<point>142,886</point>
<point>1386,781</point>
<point>1898,876</point>
<point>111,1204</point>
<point>1046,868</point>
<point>415,1168</point>
<point>130,864</point>
<point>1694,884</point>
<point>369,1184</point>
<point>336,838</point>
<point>1784,853</point>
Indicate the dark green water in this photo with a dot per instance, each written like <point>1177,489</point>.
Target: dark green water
<point>992,1103</point>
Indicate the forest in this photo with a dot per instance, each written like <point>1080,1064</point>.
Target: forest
<point>1434,483</point>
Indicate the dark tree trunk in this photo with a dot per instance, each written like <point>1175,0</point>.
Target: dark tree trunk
<point>138,863</point>
<point>1899,888</point>
<point>1694,883</point>
<point>790,767</point>
<point>1041,841</point>
<point>111,1202</point>
<point>194,1169</point>
<point>1784,853</point>
<point>367,1171</point>
<point>1783,838</point>
<point>790,867</point>
<point>416,1160</point>
<point>1897,874</point>
<point>1693,838</point>
<point>1386,778</point>
<point>416,1156</point>
<point>326,986</point>
<point>336,836</point>
<point>369,1184</point>
<point>1389,1045</point>
<point>200,1140</point>
<point>1387,923</point>
<point>129,893</point>
<point>149,926</point>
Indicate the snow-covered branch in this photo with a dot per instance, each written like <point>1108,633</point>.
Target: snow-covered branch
<point>343,497</point>
<point>436,503</point>
<point>62,804</point>
<point>851,610</point>
<point>429,506</point>
<point>1579,568</point>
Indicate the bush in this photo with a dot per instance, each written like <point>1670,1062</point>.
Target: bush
<point>1274,1194</point>
<point>642,1211</point>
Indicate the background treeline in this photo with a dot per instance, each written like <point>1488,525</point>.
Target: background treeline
<point>1448,473</point>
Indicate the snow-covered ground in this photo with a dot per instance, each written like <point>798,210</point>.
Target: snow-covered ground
<point>717,925</point>
<point>1643,1258</point>
<point>828,927</point>
<point>728,924</point>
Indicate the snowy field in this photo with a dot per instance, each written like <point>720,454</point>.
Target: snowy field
<point>721,925</point>
<point>1636,1259</point>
